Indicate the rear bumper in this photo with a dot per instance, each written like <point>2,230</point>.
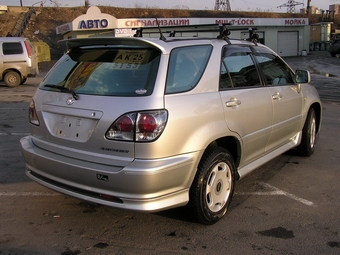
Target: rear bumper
<point>142,185</point>
<point>32,71</point>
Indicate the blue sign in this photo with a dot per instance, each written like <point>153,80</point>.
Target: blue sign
<point>90,24</point>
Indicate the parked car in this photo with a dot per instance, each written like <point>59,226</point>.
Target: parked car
<point>334,47</point>
<point>150,124</point>
<point>18,60</point>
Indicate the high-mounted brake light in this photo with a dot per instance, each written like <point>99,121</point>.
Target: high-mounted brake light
<point>139,126</point>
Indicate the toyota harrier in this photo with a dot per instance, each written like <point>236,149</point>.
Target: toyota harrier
<point>149,124</point>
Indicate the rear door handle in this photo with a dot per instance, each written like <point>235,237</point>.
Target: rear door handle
<point>233,102</point>
<point>277,96</point>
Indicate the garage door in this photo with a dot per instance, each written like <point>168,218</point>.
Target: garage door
<point>288,44</point>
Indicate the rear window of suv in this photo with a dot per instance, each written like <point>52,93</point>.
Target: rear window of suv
<point>14,48</point>
<point>106,71</point>
<point>186,67</point>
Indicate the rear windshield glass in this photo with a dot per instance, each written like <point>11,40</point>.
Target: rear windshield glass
<point>12,48</point>
<point>106,71</point>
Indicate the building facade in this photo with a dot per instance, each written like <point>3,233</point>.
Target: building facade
<point>286,36</point>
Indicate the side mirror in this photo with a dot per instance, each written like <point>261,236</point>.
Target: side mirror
<point>302,76</point>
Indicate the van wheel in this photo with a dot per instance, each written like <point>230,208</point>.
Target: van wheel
<point>213,187</point>
<point>12,79</point>
<point>23,81</point>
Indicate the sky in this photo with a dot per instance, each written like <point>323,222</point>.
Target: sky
<point>236,5</point>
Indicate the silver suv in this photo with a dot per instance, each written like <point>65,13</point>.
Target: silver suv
<point>152,124</point>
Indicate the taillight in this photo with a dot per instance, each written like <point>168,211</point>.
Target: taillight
<point>140,126</point>
<point>125,124</point>
<point>33,117</point>
<point>146,123</point>
<point>150,125</point>
<point>123,128</point>
<point>28,48</point>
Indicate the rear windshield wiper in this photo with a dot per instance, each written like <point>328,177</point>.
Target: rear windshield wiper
<point>63,89</point>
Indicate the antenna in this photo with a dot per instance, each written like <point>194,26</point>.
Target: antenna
<point>160,31</point>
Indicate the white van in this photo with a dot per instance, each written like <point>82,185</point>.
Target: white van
<point>18,60</point>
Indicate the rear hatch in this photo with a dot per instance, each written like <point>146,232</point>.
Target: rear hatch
<point>33,68</point>
<point>88,103</point>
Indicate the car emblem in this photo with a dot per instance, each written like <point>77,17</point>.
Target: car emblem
<point>69,101</point>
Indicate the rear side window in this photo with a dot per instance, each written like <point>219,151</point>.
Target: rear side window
<point>238,68</point>
<point>275,71</point>
<point>106,71</point>
<point>186,67</point>
<point>13,48</point>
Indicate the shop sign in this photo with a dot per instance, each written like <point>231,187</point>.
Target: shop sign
<point>237,22</point>
<point>90,24</point>
<point>154,23</point>
<point>301,22</point>
<point>64,28</point>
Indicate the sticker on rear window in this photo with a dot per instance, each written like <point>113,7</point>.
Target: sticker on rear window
<point>141,91</point>
<point>128,59</point>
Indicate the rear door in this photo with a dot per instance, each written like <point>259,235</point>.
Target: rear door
<point>247,104</point>
<point>286,99</point>
<point>32,58</point>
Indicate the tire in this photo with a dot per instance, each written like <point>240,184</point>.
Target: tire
<point>23,81</point>
<point>213,186</point>
<point>12,79</point>
<point>308,140</point>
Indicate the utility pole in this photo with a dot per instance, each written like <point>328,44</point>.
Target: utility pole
<point>308,6</point>
<point>21,3</point>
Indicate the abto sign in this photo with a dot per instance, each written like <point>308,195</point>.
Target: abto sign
<point>96,23</point>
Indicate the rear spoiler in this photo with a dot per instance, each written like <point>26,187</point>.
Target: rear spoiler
<point>69,44</point>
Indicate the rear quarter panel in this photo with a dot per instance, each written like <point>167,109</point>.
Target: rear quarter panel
<point>196,118</point>
<point>194,121</point>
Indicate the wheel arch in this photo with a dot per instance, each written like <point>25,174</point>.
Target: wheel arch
<point>233,145</point>
<point>318,112</point>
<point>11,70</point>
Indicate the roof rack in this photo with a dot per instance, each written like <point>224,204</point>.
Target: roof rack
<point>222,28</point>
